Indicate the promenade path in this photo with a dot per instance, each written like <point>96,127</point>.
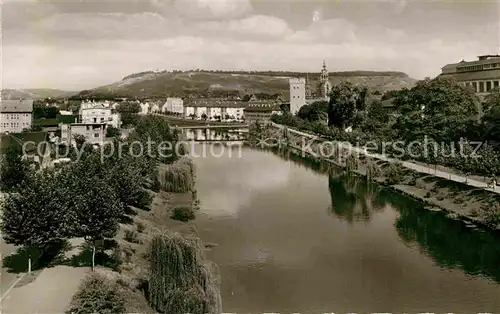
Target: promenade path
<point>50,292</point>
<point>406,164</point>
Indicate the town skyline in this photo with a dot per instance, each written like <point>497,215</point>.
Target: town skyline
<point>80,45</point>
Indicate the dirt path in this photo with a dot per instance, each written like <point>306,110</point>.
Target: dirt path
<point>50,292</point>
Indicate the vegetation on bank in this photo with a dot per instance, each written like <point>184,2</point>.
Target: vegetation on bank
<point>179,279</point>
<point>94,197</point>
<point>447,121</point>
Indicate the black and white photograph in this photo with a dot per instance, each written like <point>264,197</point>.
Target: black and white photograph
<point>249,156</point>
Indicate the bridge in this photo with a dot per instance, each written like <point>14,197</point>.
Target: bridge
<point>217,126</point>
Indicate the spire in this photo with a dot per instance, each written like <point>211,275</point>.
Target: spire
<point>324,65</point>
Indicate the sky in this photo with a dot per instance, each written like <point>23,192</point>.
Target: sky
<point>82,44</point>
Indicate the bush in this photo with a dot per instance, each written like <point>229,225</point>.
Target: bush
<point>428,195</point>
<point>394,174</point>
<point>132,236</point>
<point>184,214</point>
<point>111,131</point>
<point>140,227</point>
<point>97,295</point>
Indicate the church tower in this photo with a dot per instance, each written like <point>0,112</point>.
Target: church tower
<point>324,84</point>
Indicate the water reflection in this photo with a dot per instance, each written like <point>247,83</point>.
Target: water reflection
<point>200,134</point>
<point>450,242</point>
<point>354,199</point>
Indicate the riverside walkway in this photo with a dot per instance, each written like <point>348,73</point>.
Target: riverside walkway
<point>406,164</point>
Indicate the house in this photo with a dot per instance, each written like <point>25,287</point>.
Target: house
<point>173,105</point>
<point>91,113</point>
<point>144,108</point>
<point>215,109</point>
<point>15,115</point>
<point>94,133</point>
<point>155,108</point>
<point>261,111</point>
<point>34,146</point>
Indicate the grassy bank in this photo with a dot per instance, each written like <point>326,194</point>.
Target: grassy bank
<point>469,204</point>
<point>135,247</point>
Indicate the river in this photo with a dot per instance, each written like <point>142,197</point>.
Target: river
<point>292,235</point>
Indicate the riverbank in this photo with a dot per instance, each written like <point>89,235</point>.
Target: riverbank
<point>458,200</point>
<point>133,245</point>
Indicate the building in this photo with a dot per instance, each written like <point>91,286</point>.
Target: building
<point>215,109</point>
<point>297,94</point>
<point>94,133</point>
<point>320,89</point>
<point>173,105</point>
<point>144,108</point>
<point>481,75</point>
<point>99,113</point>
<point>34,146</point>
<point>261,111</point>
<point>15,115</point>
<point>154,108</point>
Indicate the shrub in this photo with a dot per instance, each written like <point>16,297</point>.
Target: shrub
<point>140,227</point>
<point>97,294</point>
<point>111,131</point>
<point>132,236</point>
<point>183,214</point>
<point>428,195</point>
<point>394,174</point>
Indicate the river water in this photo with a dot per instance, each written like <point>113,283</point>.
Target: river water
<point>292,235</point>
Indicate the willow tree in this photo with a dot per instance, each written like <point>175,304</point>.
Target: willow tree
<point>180,280</point>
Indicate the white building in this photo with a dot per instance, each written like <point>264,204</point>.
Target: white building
<point>154,108</point>
<point>15,115</point>
<point>215,109</point>
<point>297,94</point>
<point>94,133</point>
<point>65,113</point>
<point>173,105</point>
<point>98,113</point>
<point>144,108</point>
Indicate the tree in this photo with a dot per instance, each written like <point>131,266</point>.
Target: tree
<point>129,112</point>
<point>93,202</point>
<point>13,170</point>
<point>37,216</point>
<point>491,118</point>
<point>317,111</point>
<point>376,118</point>
<point>439,108</point>
<point>111,131</point>
<point>345,100</point>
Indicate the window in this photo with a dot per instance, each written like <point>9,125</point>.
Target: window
<point>96,134</point>
<point>95,120</point>
<point>474,85</point>
<point>495,84</point>
<point>102,119</point>
<point>488,86</point>
<point>481,87</point>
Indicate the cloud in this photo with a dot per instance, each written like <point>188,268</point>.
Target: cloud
<point>213,9</point>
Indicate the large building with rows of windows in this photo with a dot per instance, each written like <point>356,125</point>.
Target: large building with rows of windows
<point>15,115</point>
<point>481,75</point>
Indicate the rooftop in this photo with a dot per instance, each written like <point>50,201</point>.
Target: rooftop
<point>216,103</point>
<point>23,105</point>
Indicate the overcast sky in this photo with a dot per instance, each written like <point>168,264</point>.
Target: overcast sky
<point>79,44</point>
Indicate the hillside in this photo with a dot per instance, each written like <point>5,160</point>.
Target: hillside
<point>204,83</point>
<point>35,93</point>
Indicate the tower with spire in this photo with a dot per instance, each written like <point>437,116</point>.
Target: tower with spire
<point>324,84</point>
